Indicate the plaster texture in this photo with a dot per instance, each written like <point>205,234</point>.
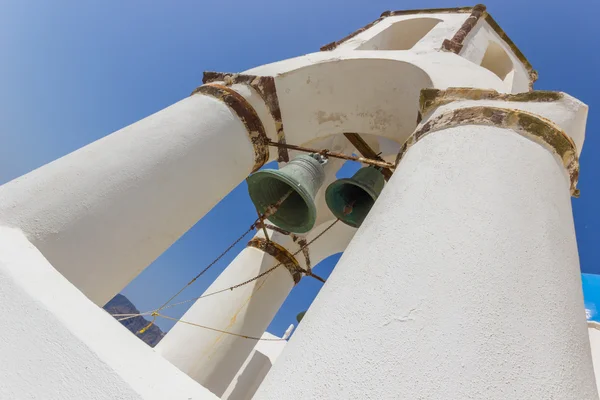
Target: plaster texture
<point>441,293</point>
<point>568,113</point>
<point>213,358</point>
<point>474,49</point>
<point>58,345</point>
<point>255,368</point>
<point>103,213</point>
<point>594,333</point>
<point>376,91</point>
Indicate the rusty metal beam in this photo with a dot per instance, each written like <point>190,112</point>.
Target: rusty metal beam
<point>329,153</point>
<point>366,151</point>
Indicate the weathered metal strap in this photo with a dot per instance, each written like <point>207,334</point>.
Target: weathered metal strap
<point>455,44</point>
<point>478,12</point>
<point>265,86</point>
<point>247,114</point>
<point>281,254</point>
<point>433,98</point>
<point>534,127</point>
<point>304,248</point>
<point>386,14</point>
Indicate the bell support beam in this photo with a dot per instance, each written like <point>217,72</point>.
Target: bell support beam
<point>466,259</point>
<point>366,151</point>
<point>103,213</point>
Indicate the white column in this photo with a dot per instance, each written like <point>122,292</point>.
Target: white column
<point>594,333</point>
<point>101,214</point>
<point>214,358</point>
<point>462,283</point>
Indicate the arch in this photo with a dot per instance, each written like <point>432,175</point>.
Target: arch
<point>373,96</point>
<point>497,60</point>
<point>401,35</point>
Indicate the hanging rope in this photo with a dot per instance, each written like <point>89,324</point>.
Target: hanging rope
<point>208,266</point>
<point>156,313</point>
<point>253,278</point>
<point>221,331</point>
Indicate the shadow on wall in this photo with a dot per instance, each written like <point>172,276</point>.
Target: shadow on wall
<point>248,382</point>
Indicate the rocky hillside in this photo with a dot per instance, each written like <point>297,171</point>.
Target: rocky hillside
<point>121,305</point>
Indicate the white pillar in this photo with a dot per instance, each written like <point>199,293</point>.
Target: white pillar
<point>103,213</point>
<point>594,333</point>
<point>214,358</point>
<point>462,283</point>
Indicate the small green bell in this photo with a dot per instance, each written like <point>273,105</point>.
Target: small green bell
<point>351,199</point>
<point>300,316</point>
<point>303,176</point>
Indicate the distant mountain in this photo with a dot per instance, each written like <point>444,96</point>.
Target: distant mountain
<point>121,305</point>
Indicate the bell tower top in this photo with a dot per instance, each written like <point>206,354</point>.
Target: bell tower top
<point>469,32</point>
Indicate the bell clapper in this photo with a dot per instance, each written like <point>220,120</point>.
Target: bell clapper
<point>349,207</point>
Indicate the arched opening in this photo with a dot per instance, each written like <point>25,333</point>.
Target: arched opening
<point>497,60</point>
<point>402,35</point>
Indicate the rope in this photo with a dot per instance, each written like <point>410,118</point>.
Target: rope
<point>258,223</point>
<point>219,330</point>
<point>208,267</point>
<point>156,312</point>
<point>257,276</point>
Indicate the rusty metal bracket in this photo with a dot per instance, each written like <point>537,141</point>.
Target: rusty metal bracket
<point>265,86</point>
<point>334,154</point>
<point>281,254</point>
<point>386,14</point>
<point>455,44</point>
<point>303,244</point>
<point>366,151</point>
<point>478,12</point>
<point>433,98</point>
<point>531,126</point>
<point>247,114</point>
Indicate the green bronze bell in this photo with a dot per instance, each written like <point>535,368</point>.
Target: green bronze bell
<point>300,316</point>
<point>351,199</point>
<point>299,180</point>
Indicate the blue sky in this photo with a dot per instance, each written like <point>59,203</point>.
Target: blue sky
<point>74,71</point>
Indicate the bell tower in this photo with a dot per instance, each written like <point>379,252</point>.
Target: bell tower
<point>460,274</point>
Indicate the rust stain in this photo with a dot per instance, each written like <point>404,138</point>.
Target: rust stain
<point>233,319</point>
<point>305,252</point>
<point>323,117</point>
<point>247,114</point>
<point>385,14</point>
<point>281,254</point>
<point>433,98</point>
<point>265,86</point>
<point>531,126</point>
<point>478,12</point>
<point>455,44</point>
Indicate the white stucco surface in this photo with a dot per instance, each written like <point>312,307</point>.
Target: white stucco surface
<point>213,358</point>
<point>594,333</point>
<point>441,293</point>
<point>568,113</point>
<point>255,368</point>
<point>57,345</point>
<point>477,42</point>
<point>103,213</point>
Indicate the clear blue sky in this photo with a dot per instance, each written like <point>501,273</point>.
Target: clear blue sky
<point>74,71</point>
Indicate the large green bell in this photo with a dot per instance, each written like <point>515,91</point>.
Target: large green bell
<point>351,199</point>
<point>300,316</point>
<point>303,176</point>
